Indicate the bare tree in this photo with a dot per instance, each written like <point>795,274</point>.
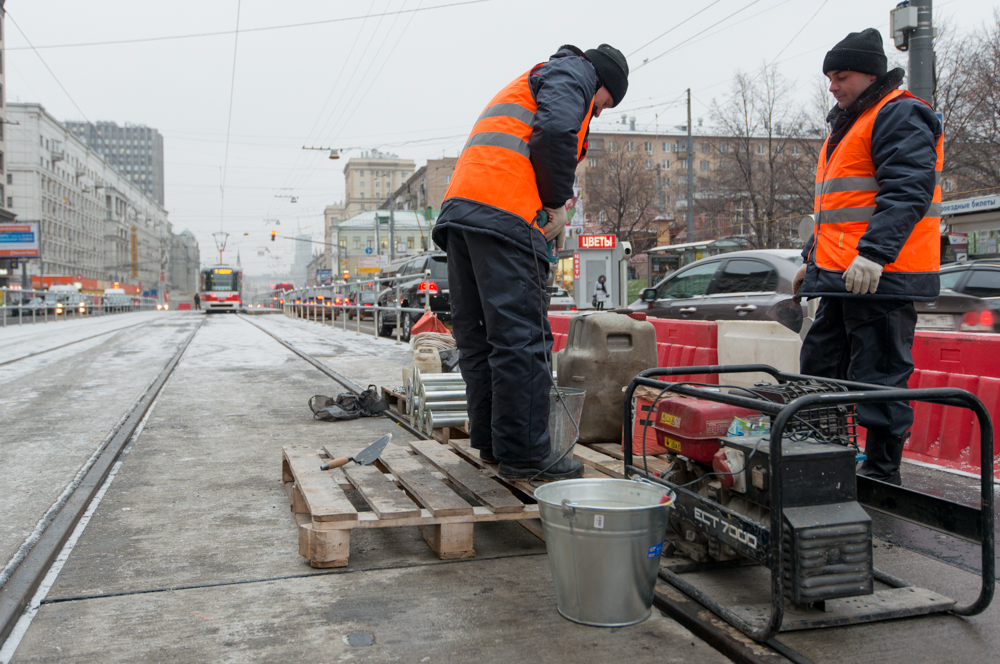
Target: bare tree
<point>621,194</point>
<point>761,182</point>
<point>968,97</point>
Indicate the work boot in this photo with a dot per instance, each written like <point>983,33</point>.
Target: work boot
<point>885,454</point>
<point>563,469</point>
<point>486,456</point>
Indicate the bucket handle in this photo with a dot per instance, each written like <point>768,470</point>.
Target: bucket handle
<point>669,496</point>
<point>568,510</point>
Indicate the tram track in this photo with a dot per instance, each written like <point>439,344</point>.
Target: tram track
<point>23,574</point>
<point>684,610</point>
<point>94,336</point>
<point>351,386</point>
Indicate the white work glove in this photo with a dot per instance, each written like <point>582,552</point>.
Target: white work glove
<point>800,276</point>
<point>557,222</point>
<point>862,276</point>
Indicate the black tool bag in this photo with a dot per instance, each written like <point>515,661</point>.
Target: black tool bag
<point>348,406</point>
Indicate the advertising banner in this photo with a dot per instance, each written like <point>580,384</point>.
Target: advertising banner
<point>324,277</point>
<point>20,240</point>
<point>368,264</point>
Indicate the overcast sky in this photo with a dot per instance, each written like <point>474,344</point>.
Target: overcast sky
<point>373,74</point>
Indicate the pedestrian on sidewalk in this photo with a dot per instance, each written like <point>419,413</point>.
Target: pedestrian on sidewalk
<point>506,199</point>
<point>600,292</point>
<point>197,301</point>
<point>875,248</point>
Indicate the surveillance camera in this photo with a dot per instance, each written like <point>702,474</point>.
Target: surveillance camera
<point>627,248</point>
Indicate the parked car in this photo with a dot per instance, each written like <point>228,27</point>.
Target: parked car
<point>977,278</point>
<point>40,305</point>
<point>560,300</point>
<point>364,299</point>
<point>742,285</point>
<point>116,300</point>
<point>414,289</point>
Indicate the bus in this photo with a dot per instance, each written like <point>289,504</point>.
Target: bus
<point>221,288</point>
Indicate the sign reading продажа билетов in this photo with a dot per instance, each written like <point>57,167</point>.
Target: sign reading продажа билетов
<point>596,241</point>
<point>20,240</point>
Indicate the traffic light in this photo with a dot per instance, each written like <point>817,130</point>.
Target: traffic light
<point>273,233</point>
<point>347,274</point>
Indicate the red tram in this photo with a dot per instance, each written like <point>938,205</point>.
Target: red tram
<point>221,288</point>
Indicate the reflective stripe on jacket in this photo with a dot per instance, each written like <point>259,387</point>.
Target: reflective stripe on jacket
<point>495,167</point>
<point>845,200</point>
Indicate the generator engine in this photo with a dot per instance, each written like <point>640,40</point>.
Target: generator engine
<point>827,536</point>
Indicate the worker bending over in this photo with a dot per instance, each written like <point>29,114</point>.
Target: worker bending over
<point>506,199</point>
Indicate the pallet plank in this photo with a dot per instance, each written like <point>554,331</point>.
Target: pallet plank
<point>384,497</point>
<point>319,490</point>
<point>655,464</point>
<point>419,481</point>
<point>492,494</point>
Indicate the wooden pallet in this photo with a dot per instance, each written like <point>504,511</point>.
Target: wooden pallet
<point>416,486</point>
<point>395,400</point>
<point>404,488</point>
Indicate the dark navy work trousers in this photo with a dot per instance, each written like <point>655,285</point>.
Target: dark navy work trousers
<point>503,336</point>
<point>868,341</point>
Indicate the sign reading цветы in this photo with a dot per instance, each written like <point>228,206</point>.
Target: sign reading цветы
<point>596,241</point>
<point>19,240</point>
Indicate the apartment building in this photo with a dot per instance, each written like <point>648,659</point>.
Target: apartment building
<point>371,178</point>
<point>666,148</point>
<point>426,187</point>
<point>136,151</point>
<point>94,221</point>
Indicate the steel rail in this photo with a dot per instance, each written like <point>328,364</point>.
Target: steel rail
<point>352,387</point>
<point>25,578</point>
<point>49,350</point>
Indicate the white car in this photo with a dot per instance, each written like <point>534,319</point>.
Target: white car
<point>561,300</point>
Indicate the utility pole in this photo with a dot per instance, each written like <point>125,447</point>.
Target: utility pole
<point>392,228</point>
<point>922,53</point>
<point>913,30</point>
<point>690,175</point>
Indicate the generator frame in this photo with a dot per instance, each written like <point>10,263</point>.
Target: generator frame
<point>962,521</point>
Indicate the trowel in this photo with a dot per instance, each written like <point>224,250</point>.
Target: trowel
<point>788,313</point>
<point>362,458</point>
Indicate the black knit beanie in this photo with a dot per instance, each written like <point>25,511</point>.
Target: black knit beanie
<point>859,51</point>
<point>612,70</point>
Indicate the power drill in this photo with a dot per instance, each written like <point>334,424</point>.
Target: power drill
<point>551,245</point>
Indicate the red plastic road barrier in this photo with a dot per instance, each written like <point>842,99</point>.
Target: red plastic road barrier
<point>184,306</point>
<point>962,353</point>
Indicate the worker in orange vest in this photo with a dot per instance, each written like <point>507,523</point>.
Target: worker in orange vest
<point>506,199</point>
<point>875,248</point>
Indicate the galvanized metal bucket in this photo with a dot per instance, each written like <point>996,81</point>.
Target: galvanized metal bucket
<point>604,538</point>
<point>563,431</point>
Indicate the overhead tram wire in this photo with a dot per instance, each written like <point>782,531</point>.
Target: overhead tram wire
<point>698,34</point>
<point>229,122</point>
<point>65,91</point>
<point>295,178</point>
<point>244,31</point>
<point>299,155</point>
<point>375,78</point>
<point>703,9</point>
<point>795,36</point>
<point>364,76</point>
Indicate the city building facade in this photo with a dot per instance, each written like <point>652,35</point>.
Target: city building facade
<point>371,178</point>
<point>185,261</point>
<point>332,215</point>
<point>426,187</point>
<point>136,151</point>
<point>356,237</point>
<point>95,222</point>
<point>7,272</point>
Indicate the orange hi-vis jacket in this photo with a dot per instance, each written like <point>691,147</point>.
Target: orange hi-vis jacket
<point>846,188</point>
<point>495,166</point>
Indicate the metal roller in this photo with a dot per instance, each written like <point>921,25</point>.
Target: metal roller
<point>443,395</point>
<point>447,419</point>
<point>438,406</point>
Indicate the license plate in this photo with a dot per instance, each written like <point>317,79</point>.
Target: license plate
<point>937,321</point>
